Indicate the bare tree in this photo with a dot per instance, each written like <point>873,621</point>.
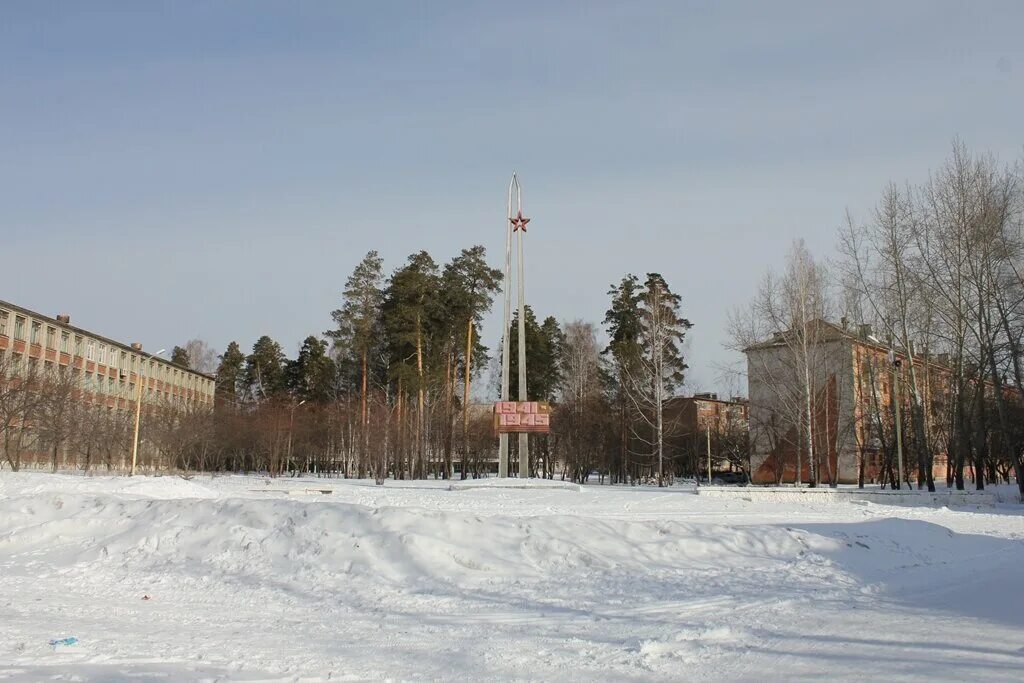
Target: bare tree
<point>19,402</point>
<point>782,334</point>
<point>59,408</point>
<point>884,265</point>
<point>201,356</point>
<point>581,431</point>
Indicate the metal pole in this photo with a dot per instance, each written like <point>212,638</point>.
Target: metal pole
<point>506,322</point>
<point>899,427</point>
<point>138,413</point>
<point>708,429</point>
<point>138,408</point>
<point>524,438</point>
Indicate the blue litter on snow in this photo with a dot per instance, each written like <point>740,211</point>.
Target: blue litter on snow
<point>63,641</point>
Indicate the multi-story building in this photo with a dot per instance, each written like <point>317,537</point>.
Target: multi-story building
<point>105,372</point>
<point>704,423</point>
<point>695,415</point>
<point>853,378</point>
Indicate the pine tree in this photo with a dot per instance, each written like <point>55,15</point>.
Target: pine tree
<point>179,356</point>
<point>410,313</point>
<point>358,332</point>
<point>647,333</point>
<point>543,350</point>
<point>312,375</point>
<point>622,322</point>
<point>468,288</point>
<point>229,375</point>
<point>264,370</point>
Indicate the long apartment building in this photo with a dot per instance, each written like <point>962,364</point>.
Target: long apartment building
<point>107,371</point>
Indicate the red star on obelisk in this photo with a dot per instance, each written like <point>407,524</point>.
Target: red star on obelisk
<point>518,221</point>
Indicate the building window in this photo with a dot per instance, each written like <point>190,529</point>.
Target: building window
<point>124,361</point>
<point>102,360</point>
<point>3,323</point>
<point>36,328</point>
<point>51,338</point>
<point>64,337</point>
<point>90,351</point>
<point>19,327</point>
<point>78,345</point>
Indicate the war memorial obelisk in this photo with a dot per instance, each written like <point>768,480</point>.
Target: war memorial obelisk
<point>515,224</point>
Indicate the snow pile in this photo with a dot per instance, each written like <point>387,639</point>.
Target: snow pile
<point>530,483</point>
<point>695,645</point>
<point>166,487</point>
<point>331,544</point>
<point>1005,493</point>
<point>209,579</point>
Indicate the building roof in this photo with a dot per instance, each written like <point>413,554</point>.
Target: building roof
<point>711,398</point>
<point>829,331</point>
<point>826,331</point>
<point>107,340</point>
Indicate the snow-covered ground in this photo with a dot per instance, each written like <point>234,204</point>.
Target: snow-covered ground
<point>251,579</point>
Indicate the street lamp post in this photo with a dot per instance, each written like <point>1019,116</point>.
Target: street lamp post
<point>291,425</point>
<point>138,408</point>
<point>708,429</point>
<point>896,407</point>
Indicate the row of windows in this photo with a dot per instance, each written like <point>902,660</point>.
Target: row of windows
<point>99,383</point>
<point>102,354</point>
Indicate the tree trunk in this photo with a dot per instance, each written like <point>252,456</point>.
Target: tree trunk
<point>418,469</point>
<point>465,396</point>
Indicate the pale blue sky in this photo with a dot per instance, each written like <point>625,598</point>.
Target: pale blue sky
<point>216,169</point>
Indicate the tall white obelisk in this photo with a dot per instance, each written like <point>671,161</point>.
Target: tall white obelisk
<point>516,223</point>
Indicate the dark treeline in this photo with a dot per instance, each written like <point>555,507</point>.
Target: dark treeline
<point>388,390</point>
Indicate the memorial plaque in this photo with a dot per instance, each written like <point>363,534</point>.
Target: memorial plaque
<point>522,416</point>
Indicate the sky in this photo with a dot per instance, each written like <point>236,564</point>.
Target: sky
<point>171,170</point>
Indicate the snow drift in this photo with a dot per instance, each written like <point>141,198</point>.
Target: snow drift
<point>257,585</point>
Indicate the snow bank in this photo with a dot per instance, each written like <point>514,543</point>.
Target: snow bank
<point>1005,493</point>
<point>511,483</point>
<point>695,645</point>
<point>942,497</point>
<point>420,583</point>
<point>165,487</point>
<point>329,544</point>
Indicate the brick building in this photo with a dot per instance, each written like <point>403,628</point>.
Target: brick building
<point>106,370</point>
<point>695,414</point>
<point>690,419</point>
<point>853,379</point>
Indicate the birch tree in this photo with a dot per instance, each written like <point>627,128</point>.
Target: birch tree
<point>782,334</point>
